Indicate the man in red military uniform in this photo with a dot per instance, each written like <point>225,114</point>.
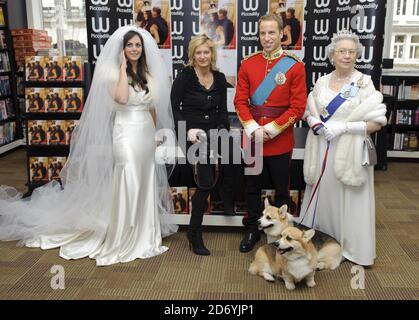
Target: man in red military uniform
<point>270,98</point>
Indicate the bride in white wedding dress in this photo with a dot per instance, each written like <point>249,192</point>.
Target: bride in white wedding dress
<point>115,200</point>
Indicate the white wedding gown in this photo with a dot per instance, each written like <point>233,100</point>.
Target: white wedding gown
<point>134,228</point>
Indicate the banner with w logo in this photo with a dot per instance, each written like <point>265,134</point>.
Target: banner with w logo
<point>325,17</point>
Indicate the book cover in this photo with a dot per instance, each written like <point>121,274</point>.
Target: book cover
<point>191,194</point>
<point>73,68</point>
<point>2,20</point>
<point>35,99</point>
<point>295,204</point>
<point>70,126</point>
<point>37,132</point>
<point>5,88</point>
<point>180,199</point>
<point>55,165</point>
<point>3,110</point>
<point>217,207</point>
<point>38,170</point>
<point>3,43</point>
<point>73,100</point>
<point>268,193</point>
<point>54,99</point>
<point>34,68</point>
<point>240,207</point>
<point>53,68</point>
<point>56,132</point>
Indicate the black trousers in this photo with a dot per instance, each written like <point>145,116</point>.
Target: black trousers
<point>199,199</point>
<point>183,176</point>
<point>276,169</point>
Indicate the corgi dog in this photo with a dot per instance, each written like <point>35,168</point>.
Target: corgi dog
<point>299,256</point>
<point>292,257</point>
<point>274,220</point>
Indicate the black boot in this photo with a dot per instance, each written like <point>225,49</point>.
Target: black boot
<point>196,244</point>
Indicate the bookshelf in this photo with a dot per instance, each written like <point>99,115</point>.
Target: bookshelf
<point>49,123</point>
<point>10,124</point>
<point>403,126</point>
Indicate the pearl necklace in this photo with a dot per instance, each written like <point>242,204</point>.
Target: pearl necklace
<point>340,79</point>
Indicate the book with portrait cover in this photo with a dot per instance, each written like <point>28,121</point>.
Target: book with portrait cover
<point>217,207</point>
<point>53,68</point>
<point>73,68</point>
<point>191,194</point>
<point>54,99</point>
<point>56,132</point>
<point>295,203</point>
<point>34,68</point>
<point>70,125</point>
<point>37,132</point>
<point>55,165</point>
<point>35,99</point>
<point>2,20</point>
<point>3,43</point>
<point>180,199</point>
<point>38,170</point>
<point>240,207</point>
<point>73,100</point>
<point>268,193</point>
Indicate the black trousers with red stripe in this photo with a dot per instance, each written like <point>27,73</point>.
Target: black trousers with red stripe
<point>276,171</point>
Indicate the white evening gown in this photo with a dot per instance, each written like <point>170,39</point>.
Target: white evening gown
<point>346,213</point>
<point>134,227</point>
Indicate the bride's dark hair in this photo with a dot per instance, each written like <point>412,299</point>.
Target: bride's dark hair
<point>139,77</point>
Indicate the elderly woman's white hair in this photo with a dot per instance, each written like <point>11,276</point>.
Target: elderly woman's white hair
<point>344,35</point>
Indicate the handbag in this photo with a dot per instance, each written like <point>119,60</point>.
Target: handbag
<point>204,176</point>
<point>369,154</point>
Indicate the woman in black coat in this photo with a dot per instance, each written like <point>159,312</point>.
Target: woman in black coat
<point>199,99</point>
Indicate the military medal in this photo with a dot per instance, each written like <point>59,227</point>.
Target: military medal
<point>324,112</point>
<point>280,78</point>
<point>360,82</point>
<point>346,94</point>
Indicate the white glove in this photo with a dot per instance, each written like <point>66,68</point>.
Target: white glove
<point>358,127</point>
<point>312,121</point>
<point>193,134</point>
<point>334,130</point>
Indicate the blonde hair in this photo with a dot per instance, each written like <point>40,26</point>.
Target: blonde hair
<point>272,17</point>
<point>199,41</point>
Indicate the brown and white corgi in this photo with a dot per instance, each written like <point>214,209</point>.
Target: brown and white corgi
<point>274,220</point>
<point>299,256</point>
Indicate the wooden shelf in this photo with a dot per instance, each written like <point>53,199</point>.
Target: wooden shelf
<point>54,84</point>
<point>52,115</point>
<point>11,145</point>
<point>11,119</point>
<point>403,154</point>
<point>209,220</point>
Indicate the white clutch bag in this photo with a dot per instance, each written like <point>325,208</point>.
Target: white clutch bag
<point>369,154</point>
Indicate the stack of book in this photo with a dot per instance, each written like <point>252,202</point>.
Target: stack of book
<point>27,42</point>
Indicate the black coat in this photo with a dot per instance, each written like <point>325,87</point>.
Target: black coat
<point>199,107</point>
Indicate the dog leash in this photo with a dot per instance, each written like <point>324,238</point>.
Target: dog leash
<point>317,187</point>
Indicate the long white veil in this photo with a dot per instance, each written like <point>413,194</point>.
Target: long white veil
<point>84,202</point>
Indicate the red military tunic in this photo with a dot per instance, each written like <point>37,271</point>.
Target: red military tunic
<point>292,95</point>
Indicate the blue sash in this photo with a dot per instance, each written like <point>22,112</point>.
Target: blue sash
<point>347,92</point>
<point>268,84</point>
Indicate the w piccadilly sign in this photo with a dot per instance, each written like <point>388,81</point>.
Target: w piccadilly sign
<point>319,20</point>
<point>326,17</point>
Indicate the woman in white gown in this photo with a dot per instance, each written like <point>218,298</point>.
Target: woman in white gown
<point>345,207</point>
<point>115,200</point>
